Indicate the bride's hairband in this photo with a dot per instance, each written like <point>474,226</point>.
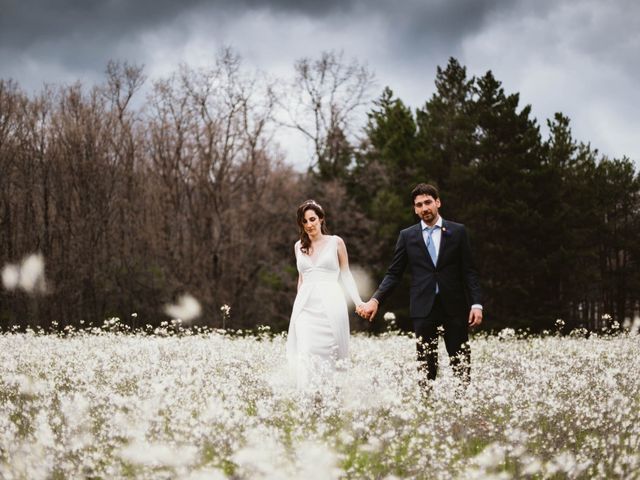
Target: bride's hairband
<point>312,202</point>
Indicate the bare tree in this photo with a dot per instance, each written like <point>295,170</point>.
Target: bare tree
<point>212,156</point>
<point>323,101</point>
<point>188,193</point>
<point>12,106</point>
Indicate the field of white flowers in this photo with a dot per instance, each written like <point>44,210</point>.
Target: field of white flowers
<point>208,406</point>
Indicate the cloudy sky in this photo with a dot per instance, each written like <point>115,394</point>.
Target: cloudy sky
<point>580,57</point>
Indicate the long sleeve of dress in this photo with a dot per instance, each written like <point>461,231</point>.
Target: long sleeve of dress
<point>350,286</point>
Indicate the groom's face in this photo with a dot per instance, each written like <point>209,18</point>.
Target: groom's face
<point>426,207</point>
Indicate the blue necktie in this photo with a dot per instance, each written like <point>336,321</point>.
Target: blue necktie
<point>431,248</point>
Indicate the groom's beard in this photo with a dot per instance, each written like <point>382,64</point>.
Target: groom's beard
<point>428,216</point>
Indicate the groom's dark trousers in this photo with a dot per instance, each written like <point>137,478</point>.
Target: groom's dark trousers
<point>456,340</point>
<point>456,279</point>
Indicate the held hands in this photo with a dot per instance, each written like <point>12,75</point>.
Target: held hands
<point>368,310</point>
<point>475,317</point>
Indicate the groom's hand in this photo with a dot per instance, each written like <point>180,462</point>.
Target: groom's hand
<point>475,317</point>
<point>369,309</point>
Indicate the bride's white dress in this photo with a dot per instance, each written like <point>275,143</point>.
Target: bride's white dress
<point>319,327</point>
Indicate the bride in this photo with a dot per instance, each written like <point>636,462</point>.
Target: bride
<point>318,336</point>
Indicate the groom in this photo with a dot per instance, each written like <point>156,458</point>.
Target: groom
<point>445,290</point>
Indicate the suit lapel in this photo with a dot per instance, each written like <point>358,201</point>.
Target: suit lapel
<point>445,233</point>
<point>420,239</point>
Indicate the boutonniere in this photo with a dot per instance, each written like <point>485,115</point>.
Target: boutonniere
<point>446,232</point>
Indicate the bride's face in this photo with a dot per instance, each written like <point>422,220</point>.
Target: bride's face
<point>312,223</point>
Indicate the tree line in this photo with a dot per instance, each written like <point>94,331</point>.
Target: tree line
<point>134,201</point>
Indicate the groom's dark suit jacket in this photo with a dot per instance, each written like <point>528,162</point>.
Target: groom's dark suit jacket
<point>455,272</point>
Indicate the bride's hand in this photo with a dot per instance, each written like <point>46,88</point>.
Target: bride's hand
<point>360,311</point>
<point>368,310</point>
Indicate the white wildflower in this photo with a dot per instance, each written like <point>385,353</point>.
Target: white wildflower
<point>207,474</point>
<point>491,456</point>
<point>563,462</point>
<point>506,334</point>
<point>158,454</point>
<point>186,308</point>
<point>316,462</point>
<point>29,386</point>
<point>10,276</point>
<point>211,405</point>
<point>262,456</point>
<point>532,466</point>
<point>43,431</point>
<point>29,276</point>
<point>32,274</point>
<point>635,326</point>
<point>75,409</point>
<point>373,445</point>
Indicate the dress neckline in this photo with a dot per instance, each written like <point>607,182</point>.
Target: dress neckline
<point>320,252</point>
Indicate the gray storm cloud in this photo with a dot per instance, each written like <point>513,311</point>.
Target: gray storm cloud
<point>574,56</point>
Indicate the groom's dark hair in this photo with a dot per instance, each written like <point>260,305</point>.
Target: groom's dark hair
<point>424,189</point>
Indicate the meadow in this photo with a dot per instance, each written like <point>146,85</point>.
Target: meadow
<point>207,405</point>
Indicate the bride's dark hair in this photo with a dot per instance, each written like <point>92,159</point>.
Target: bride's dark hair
<point>305,241</point>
